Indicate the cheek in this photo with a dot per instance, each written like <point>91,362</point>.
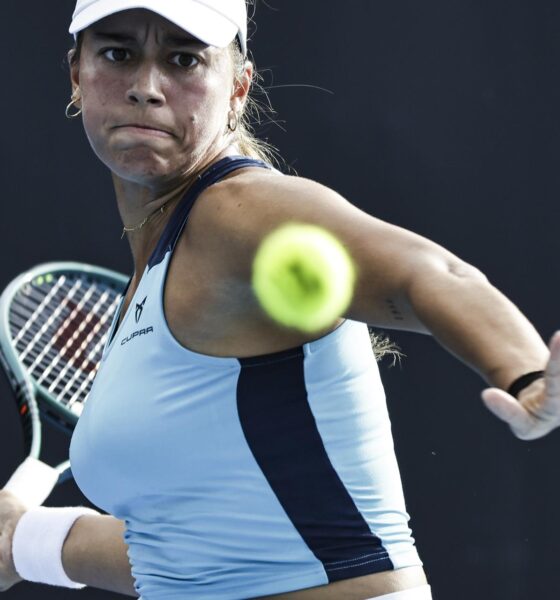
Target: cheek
<point>100,96</point>
<point>202,104</point>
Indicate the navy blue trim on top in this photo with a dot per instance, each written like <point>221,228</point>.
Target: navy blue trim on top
<point>179,218</point>
<point>282,434</point>
<point>116,317</point>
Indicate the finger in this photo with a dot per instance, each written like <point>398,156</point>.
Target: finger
<point>554,338</point>
<point>508,409</point>
<point>552,377</point>
<point>553,366</point>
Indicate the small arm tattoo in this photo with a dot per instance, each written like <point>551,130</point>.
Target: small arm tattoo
<point>395,312</point>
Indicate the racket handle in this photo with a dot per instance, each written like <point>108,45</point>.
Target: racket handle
<point>33,481</point>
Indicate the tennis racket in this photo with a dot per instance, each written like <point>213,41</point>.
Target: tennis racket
<point>54,322</point>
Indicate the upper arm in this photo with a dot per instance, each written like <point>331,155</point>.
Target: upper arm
<point>235,216</point>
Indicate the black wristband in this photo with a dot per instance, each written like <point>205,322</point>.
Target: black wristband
<point>524,381</point>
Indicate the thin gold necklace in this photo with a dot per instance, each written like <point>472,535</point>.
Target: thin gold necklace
<point>159,210</point>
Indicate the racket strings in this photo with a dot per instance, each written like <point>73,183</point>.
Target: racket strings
<point>65,336</point>
<point>32,353</point>
<point>18,320</point>
<point>59,330</point>
<point>33,301</point>
<point>79,359</point>
<point>73,368</point>
<point>38,311</point>
<point>60,334</point>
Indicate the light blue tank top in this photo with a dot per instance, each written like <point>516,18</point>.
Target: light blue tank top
<point>239,478</point>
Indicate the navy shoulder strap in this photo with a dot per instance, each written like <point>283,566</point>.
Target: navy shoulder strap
<point>179,218</point>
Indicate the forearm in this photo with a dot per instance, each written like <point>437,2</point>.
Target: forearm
<point>476,322</point>
<point>95,553</point>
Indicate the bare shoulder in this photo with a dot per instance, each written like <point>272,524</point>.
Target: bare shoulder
<point>273,195</point>
<point>231,219</point>
<point>240,211</point>
<point>243,209</point>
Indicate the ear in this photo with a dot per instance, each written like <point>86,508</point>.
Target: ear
<point>74,70</point>
<point>242,87</point>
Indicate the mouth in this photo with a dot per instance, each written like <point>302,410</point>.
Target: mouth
<point>145,129</point>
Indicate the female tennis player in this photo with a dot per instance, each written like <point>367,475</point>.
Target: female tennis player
<point>236,458</point>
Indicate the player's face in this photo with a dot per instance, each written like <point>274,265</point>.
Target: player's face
<point>155,101</point>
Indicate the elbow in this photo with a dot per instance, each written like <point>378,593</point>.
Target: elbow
<point>442,275</point>
<point>462,270</point>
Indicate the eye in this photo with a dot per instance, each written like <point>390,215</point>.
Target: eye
<point>116,55</point>
<point>182,59</point>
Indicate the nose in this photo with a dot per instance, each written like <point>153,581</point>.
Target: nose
<point>146,88</point>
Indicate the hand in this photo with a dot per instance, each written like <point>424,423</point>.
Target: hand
<point>11,510</point>
<point>537,412</point>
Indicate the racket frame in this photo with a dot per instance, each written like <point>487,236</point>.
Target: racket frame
<point>34,480</point>
<point>52,410</point>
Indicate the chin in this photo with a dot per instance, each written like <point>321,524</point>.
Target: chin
<point>141,166</point>
<point>146,176</point>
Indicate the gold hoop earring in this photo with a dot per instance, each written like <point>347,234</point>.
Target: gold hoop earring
<point>73,101</point>
<point>233,121</point>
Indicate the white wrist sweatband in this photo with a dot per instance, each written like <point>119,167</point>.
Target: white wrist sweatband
<point>38,540</point>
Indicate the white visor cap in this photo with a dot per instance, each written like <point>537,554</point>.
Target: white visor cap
<point>214,22</point>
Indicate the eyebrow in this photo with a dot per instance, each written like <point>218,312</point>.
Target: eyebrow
<point>114,37</point>
<point>170,40</point>
<point>173,40</point>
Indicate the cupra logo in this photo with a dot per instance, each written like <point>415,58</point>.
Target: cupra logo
<point>139,309</point>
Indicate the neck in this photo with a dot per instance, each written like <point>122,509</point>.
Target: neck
<point>146,208</point>
<point>146,212</point>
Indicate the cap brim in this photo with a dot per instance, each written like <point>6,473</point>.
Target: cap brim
<point>199,20</point>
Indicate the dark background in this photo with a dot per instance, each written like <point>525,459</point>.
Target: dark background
<point>441,117</point>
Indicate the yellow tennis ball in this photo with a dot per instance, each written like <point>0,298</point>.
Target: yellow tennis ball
<point>303,277</point>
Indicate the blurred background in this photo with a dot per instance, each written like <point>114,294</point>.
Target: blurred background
<point>439,116</point>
